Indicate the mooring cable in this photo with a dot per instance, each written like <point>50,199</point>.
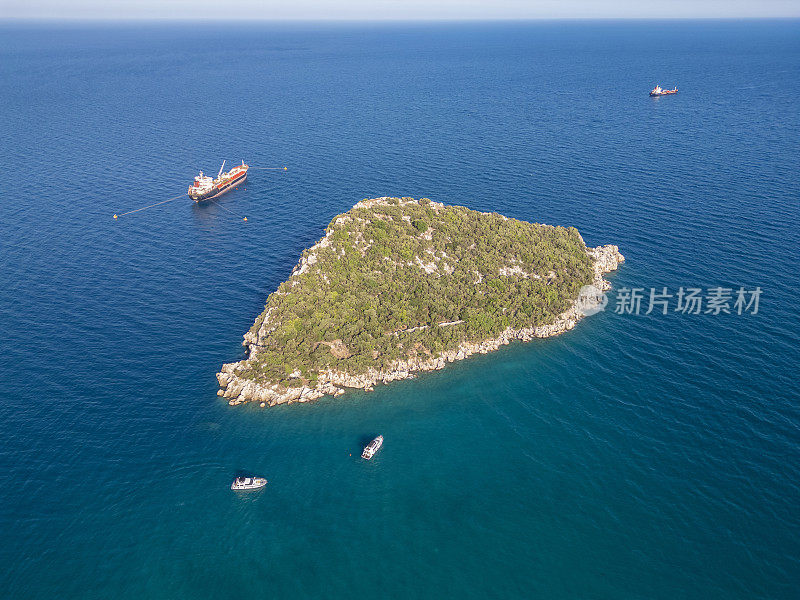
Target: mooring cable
<point>228,209</point>
<point>130,212</point>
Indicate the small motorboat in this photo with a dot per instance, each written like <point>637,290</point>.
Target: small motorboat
<point>248,483</point>
<point>659,91</point>
<point>372,447</point>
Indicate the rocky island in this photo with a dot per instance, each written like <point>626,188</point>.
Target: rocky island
<point>399,285</point>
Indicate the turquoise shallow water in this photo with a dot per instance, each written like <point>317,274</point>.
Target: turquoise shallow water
<point>634,457</point>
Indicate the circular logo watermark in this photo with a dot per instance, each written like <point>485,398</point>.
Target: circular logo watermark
<point>591,300</point>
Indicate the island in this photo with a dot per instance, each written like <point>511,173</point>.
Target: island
<point>398,285</point>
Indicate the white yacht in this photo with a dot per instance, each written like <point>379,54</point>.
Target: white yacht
<point>372,447</point>
<point>248,483</point>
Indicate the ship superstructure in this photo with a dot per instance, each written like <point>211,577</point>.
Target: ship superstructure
<point>206,188</point>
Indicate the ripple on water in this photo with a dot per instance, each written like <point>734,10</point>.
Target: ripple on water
<point>648,456</point>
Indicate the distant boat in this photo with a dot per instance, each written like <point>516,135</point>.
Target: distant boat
<point>248,483</point>
<point>372,447</point>
<point>658,91</point>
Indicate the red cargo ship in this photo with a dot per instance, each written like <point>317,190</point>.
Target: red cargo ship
<point>657,91</point>
<point>205,188</point>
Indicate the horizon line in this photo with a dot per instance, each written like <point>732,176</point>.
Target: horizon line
<point>155,19</point>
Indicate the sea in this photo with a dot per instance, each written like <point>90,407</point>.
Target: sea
<point>642,455</point>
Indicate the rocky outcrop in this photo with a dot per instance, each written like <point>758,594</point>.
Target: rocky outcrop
<point>238,389</point>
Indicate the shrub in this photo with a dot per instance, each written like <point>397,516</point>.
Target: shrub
<point>369,296</point>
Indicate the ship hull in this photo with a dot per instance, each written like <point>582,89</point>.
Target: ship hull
<point>216,193</point>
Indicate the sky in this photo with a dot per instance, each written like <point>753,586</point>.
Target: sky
<point>394,9</point>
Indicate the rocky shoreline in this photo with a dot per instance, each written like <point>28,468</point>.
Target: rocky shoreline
<point>238,390</point>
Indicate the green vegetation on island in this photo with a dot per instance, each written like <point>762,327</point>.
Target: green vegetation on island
<point>400,278</point>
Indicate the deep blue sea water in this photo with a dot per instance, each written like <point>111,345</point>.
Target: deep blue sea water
<point>649,456</point>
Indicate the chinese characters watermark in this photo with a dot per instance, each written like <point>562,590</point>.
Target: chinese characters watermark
<point>689,300</point>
